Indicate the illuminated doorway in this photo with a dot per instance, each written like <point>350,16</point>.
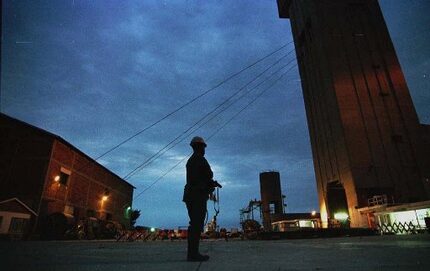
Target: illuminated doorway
<point>337,205</point>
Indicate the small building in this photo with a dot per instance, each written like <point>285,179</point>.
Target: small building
<point>297,221</point>
<point>14,218</point>
<point>49,176</point>
<point>392,218</point>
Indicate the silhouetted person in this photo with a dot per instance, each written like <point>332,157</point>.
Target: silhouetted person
<point>196,193</point>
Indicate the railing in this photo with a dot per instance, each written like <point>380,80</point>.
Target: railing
<point>397,228</point>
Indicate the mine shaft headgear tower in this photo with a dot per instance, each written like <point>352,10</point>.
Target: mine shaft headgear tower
<point>365,135</point>
<point>272,203</point>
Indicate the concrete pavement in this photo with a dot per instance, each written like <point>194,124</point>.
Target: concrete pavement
<point>354,253</point>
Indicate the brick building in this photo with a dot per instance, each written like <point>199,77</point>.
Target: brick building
<point>51,176</point>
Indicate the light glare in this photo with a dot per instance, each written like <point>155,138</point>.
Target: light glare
<point>341,216</point>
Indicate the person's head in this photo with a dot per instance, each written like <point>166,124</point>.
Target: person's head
<point>198,144</point>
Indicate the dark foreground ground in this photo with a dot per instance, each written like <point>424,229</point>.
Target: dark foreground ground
<point>354,253</point>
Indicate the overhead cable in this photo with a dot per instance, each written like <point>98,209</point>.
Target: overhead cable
<point>217,131</point>
<point>192,100</point>
<point>154,156</point>
<point>173,144</point>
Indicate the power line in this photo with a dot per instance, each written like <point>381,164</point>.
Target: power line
<point>152,158</point>
<point>213,134</point>
<point>192,100</point>
<point>250,103</point>
<point>166,147</point>
<point>217,131</point>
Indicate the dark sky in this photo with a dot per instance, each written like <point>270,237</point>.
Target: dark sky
<point>97,72</point>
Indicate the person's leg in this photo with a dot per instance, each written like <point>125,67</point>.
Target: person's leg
<point>197,213</point>
<point>191,250</point>
<point>200,213</point>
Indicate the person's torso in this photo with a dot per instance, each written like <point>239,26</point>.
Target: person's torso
<point>199,176</point>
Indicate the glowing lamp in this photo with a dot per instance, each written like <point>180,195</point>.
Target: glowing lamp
<point>341,216</point>
<point>105,195</point>
<point>152,229</point>
<point>314,213</point>
<point>57,178</point>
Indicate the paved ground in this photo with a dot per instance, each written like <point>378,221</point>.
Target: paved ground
<point>354,253</point>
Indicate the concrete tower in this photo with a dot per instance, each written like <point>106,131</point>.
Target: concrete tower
<point>365,135</point>
<point>272,205</point>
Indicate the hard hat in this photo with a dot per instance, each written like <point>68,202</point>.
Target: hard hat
<point>198,140</point>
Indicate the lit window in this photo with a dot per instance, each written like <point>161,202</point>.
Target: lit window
<point>306,224</point>
<point>272,208</point>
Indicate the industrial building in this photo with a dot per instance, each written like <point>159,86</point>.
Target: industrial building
<point>42,177</point>
<point>271,208</point>
<point>366,138</point>
<point>272,200</point>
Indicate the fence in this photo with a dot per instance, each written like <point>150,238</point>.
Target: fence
<point>397,228</point>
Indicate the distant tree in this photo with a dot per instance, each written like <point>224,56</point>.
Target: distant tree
<point>135,214</point>
<point>139,228</point>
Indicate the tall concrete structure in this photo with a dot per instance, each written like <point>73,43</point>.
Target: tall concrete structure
<point>272,204</point>
<point>365,135</point>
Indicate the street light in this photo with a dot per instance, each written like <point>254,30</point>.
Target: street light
<point>105,195</point>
